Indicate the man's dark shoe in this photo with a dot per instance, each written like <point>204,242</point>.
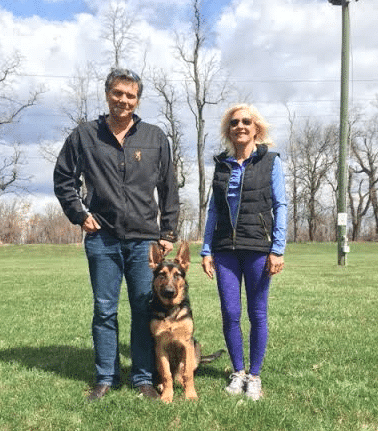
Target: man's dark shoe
<point>148,391</point>
<point>98,392</point>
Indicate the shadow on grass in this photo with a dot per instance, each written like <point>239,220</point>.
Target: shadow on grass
<point>75,363</point>
<point>66,361</point>
<point>210,371</point>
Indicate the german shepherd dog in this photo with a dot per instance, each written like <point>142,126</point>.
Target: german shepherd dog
<point>178,354</point>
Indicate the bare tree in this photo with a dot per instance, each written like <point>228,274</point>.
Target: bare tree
<point>83,102</point>
<point>292,152</point>
<point>49,151</point>
<point>118,26</point>
<point>187,225</point>
<point>359,200</point>
<point>83,96</point>
<point>173,126</point>
<point>52,227</point>
<point>13,221</point>
<point>19,226</point>
<point>11,107</point>
<point>316,157</point>
<point>365,151</point>
<point>201,69</point>
<point>12,180</point>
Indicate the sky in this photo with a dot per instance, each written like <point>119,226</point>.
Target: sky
<point>61,10</point>
<point>279,55</point>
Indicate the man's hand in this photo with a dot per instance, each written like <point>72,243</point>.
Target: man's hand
<point>165,246</point>
<point>90,225</point>
<point>275,264</point>
<point>208,266</point>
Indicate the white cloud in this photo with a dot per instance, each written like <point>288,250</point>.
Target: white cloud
<point>54,48</point>
<point>278,41</point>
<point>286,52</point>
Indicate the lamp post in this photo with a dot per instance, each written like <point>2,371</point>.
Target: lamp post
<point>342,212</point>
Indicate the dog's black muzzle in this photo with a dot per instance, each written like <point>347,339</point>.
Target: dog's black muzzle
<point>168,292</point>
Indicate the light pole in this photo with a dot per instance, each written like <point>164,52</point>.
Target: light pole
<point>342,212</point>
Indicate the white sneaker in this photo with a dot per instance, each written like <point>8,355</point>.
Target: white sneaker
<point>237,383</point>
<point>253,387</point>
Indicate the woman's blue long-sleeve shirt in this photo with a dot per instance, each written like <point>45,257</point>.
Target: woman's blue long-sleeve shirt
<point>279,205</point>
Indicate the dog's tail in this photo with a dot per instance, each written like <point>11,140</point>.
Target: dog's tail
<point>210,358</point>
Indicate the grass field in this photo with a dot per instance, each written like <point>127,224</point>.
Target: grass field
<point>320,371</point>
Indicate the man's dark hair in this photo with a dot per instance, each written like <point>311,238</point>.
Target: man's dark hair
<point>127,75</point>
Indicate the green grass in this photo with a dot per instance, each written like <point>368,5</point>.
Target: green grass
<point>320,371</point>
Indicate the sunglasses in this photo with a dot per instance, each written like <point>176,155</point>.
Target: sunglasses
<point>245,122</point>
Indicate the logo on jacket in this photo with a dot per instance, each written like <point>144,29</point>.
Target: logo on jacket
<point>138,155</point>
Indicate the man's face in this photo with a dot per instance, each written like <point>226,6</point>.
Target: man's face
<point>122,98</point>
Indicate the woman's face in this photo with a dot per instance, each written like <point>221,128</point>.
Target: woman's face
<point>242,128</point>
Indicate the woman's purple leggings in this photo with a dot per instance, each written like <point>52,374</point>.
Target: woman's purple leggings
<point>231,268</point>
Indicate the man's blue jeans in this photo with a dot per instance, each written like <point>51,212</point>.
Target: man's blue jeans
<point>109,260</point>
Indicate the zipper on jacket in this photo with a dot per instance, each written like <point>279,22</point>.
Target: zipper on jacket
<point>237,214</point>
<point>228,205</point>
<point>263,223</point>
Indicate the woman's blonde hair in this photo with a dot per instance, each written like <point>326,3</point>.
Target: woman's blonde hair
<point>262,127</point>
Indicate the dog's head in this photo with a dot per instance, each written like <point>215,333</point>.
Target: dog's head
<point>169,282</point>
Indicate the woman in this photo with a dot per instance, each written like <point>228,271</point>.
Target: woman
<point>245,236</point>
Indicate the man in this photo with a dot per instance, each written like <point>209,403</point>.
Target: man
<point>122,161</point>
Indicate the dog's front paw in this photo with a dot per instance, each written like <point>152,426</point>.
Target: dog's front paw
<point>167,397</point>
<point>191,395</point>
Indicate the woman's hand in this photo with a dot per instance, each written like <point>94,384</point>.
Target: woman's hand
<point>208,266</point>
<point>275,264</point>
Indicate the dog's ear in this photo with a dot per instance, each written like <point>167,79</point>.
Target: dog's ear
<point>183,256</point>
<point>156,256</point>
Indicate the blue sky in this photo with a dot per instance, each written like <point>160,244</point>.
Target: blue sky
<point>65,10</point>
<point>50,10</point>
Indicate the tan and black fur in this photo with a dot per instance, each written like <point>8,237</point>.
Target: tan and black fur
<point>178,354</point>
